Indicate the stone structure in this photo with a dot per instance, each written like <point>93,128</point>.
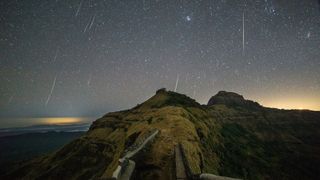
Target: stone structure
<point>126,166</point>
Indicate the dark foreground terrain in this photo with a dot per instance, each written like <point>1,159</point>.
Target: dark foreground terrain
<point>230,136</point>
<point>25,146</point>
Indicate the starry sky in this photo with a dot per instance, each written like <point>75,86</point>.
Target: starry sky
<point>89,57</point>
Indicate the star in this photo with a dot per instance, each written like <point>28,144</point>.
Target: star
<point>308,35</point>
<point>188,18</point>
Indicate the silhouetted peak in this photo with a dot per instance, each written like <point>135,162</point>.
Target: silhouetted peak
<point>232,99</point>
<point>168,98</point>
<point>162,90</point>
<point>229,95</point>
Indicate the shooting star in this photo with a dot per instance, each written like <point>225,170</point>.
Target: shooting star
<point>177,81</point>
<point>55,56</point>
<point>51,91</point>
<point>92,21</point>
<point>89,80</point>
<point>85,29</point>
<point>79,7</point>
<point>308,35</point>
<point>243,33</point>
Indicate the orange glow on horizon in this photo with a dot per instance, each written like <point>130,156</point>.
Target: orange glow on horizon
<point>60,120</point>
<point>304,104</point>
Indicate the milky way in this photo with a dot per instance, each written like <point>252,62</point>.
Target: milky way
<point>110,55</point>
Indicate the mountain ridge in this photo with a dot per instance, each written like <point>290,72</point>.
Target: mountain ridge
<point>230,136</point>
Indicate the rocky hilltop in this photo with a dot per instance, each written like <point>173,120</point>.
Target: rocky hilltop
<point>230,137</point>
<point>232,99</point>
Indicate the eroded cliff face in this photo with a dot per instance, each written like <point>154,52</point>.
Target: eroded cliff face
<point>223,139</point>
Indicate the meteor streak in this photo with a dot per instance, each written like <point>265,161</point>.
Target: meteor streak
<point>51,91</point>
<point>177,81</point>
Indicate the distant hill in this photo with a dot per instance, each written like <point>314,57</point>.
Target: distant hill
<point>231,136</point>
<point>234,100</point>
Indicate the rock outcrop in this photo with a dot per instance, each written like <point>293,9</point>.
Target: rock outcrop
<point>233,100</point>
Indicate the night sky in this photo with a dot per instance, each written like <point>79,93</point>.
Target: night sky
<point>89,57</point>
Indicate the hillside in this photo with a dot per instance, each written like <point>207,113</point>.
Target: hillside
<point>230,137</point>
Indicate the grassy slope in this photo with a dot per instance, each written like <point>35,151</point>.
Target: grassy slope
<point>269,143</point>
<point>222,140</point>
